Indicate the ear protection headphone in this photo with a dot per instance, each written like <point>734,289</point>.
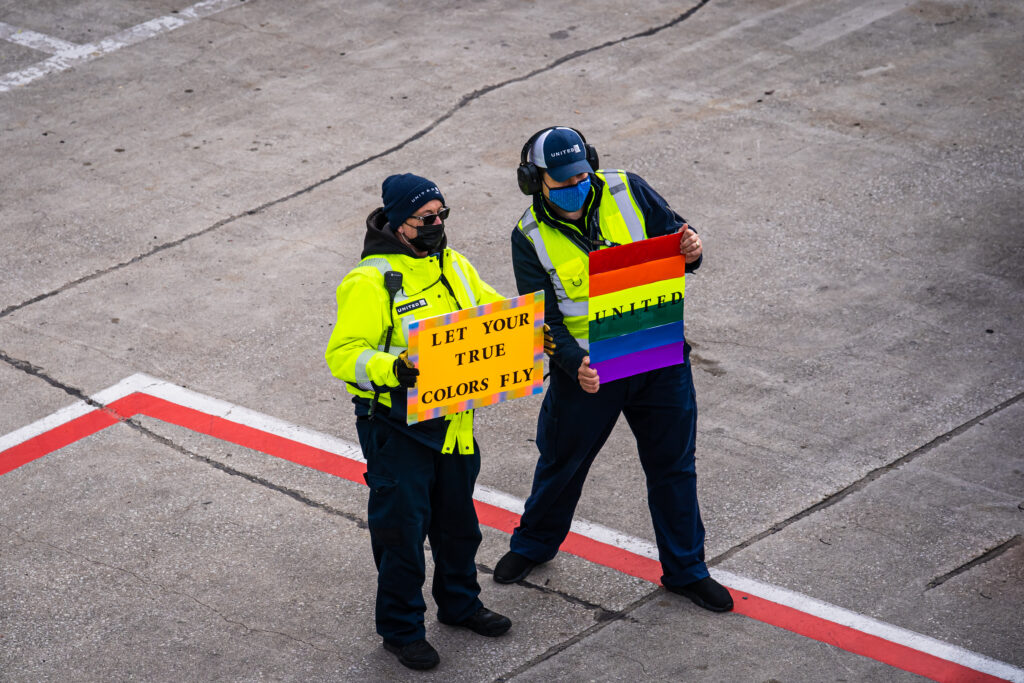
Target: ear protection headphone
<point>529,174</point>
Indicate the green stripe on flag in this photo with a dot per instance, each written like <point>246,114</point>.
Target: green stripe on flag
<point>640,319</point>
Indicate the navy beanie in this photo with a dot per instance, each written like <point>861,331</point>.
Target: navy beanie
<point>403,194</point>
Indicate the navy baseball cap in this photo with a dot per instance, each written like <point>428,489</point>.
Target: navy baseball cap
<point>561,152</point>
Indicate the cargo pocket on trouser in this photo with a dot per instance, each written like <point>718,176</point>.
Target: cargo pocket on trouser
<point>547,431</point>
<point>383,510</point>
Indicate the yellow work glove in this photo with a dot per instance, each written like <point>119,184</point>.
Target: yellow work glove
<point>405,371</point>
<point>549,341</point>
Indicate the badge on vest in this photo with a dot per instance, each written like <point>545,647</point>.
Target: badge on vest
<point>411,306</point>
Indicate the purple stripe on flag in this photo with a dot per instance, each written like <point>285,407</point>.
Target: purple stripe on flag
<point>624,345</point>
<point>641,361</point>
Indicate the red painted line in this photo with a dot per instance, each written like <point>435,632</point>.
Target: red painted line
<point>613,556</point>
<point>857,642</point>
<point>55,439</point>
<point>242,435</point>
<point>496,517</point>
<point>788,618</point>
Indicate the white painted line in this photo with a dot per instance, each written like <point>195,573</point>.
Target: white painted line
<point>48,423</point>
<point>814,37</point>
<point>250,418</point>
<point>854,20</point>
<point>603,534</point>
<point>141,383</point>
<point>505,501</point>
<point>125,387</point>
<point>73,55</point>
<point>876,70</point>
<point>732,32</point>
<point>129,385</point>
<point>31,39</point>
<point>894,634</point>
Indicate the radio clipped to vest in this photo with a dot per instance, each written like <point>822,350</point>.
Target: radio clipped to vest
<point>393,284</point>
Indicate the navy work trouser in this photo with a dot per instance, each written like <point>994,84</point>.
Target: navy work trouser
<point>660,408</point>
<point>417,492</point>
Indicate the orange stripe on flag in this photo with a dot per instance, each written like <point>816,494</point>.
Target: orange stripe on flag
<point>634,276</point>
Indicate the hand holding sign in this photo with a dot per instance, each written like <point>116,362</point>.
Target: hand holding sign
<point>549,341</point>
<point>590,382</point>
<point>690,245</point>
<point>405,371</point>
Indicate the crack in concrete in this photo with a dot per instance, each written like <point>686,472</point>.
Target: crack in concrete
<point>64,339</point>
<point>582,635</point>
<point>603,616</point>
<point>252,478</point>
<point>36,371</point>
<point>864,481</point>
<point>601,613</point>
<point>463,102</point>
<point>987,556</point>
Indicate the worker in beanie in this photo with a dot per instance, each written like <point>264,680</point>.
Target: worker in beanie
<point>421,476</point>
<point>576,209</point>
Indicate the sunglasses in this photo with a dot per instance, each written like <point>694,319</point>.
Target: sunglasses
<point>429,218</point>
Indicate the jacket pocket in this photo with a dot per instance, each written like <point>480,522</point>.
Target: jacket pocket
<point>575,278</point>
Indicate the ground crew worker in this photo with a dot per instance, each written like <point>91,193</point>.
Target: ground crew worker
<point>578,209</point>
<point>421,476</point>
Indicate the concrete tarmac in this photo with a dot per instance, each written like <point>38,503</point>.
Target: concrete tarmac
<point>182,187</point>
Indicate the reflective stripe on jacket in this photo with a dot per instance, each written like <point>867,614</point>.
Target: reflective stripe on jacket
<point>620,221</point>
<point>432,285</point>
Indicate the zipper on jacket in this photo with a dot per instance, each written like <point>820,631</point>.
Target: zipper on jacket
<point>444,281</point>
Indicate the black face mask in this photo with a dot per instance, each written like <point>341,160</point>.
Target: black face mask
<point>428,237</point>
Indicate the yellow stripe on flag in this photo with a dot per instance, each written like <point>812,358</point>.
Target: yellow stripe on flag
<point>625,301</point>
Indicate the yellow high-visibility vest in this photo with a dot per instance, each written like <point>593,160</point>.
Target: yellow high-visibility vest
<point>620,222</point>
<point>355,352</point>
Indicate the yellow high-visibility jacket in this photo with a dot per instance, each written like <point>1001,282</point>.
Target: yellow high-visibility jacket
<point>432,285</point>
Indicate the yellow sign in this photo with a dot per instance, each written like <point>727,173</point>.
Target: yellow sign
<point>477,357</point>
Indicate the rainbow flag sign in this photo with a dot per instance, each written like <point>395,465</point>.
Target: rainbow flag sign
<point>636,307</point>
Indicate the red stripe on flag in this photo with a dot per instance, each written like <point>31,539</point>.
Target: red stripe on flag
<point>641,274</point>
<point>634,253</point>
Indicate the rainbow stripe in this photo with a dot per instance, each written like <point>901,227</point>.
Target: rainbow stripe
<point>636,307</point>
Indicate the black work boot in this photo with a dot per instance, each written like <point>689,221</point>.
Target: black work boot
<point>706,593</point>
<point>513,567</point>
<point>486,623</point>
<point>416,655</point>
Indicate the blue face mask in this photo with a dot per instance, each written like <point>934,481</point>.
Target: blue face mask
<point>570,198</point>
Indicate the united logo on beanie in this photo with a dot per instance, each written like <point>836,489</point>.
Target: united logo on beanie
<point>404,193</point>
